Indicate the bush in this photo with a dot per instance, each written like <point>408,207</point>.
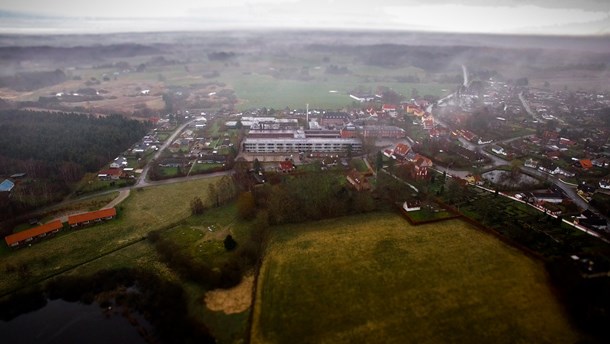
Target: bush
<point>197,207</point>
<point>230,243</point>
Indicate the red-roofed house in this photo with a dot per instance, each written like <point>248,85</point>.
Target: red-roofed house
<point>428,122</point>
<point>389,109</point>
<point>93,216</point>
<point>586,164</point>
<point>401,150</point>
<point>28,235</point>
<point>358,180</point>
<point>111,173</point>
<point>286,166</point>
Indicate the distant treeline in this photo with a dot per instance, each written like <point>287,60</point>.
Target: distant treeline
<point>28,81</point>
<point>78,53</point>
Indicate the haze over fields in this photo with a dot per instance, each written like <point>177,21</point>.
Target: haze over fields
<point>566,17</point>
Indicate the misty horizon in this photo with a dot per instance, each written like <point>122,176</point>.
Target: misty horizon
<point>588,18</point>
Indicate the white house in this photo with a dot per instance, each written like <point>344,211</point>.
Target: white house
<point>411,206</point>
<point>498,150</point>
<point>119,162</point>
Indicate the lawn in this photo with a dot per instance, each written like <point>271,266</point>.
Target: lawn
<point>145,210</point>
<point>376,279</point>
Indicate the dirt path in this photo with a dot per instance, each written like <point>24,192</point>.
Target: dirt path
<point>122,195</point>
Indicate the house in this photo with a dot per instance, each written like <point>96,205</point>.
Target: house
<point>554,155</point>
<point>585,164</point>
<point>91,217</point>
<point>388,153</point>
<point>498,150</point>
<point>334,119</point>
<point>411,205</point>
<point>6,186</point>
<point>474,179</point>
<point>601,162</point>
<point>584,187</point>
<point>401,150</point>
<point>362,97</point>
<point>28,235</point>
<point>110,174</point>
<point>547,168</point>
<point>467,134</point>
<point>358,180</point>
<point>418,168</point>
<point>389,109</point>
<point>286,166</point>
<point>563,172</point>
<point>428,122</point>
<point>591,220</point>
<point>119,162</point>
<point>531,163</point>
<point>547,196</point>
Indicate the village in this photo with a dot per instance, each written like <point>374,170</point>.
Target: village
<point>546,148</point>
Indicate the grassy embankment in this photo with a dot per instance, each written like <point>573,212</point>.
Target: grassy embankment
<point>375,278</point>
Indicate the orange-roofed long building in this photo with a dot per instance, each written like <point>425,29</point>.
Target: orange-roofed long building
<point>94,216</point>
<point>28,235</point>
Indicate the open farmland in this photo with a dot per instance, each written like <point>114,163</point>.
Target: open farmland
<point>374,278</point>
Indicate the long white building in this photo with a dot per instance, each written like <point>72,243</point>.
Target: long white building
<point>279,142</point>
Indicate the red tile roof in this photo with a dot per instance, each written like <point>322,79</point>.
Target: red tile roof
<point>586,163</point>
<point>286,165</point>
<point>402,149</point>
<point>91,216</point>
<point>111,172</point>
<point>33,232</point>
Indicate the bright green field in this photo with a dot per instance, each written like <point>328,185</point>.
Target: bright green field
<point>376,279</point>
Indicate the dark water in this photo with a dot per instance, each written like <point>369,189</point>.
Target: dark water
<point>70,322</point>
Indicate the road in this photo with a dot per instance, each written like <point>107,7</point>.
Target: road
<point>528,109</point>
<point>143,180</point>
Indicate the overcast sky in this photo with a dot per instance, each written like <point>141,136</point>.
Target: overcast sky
<point>478,16</point>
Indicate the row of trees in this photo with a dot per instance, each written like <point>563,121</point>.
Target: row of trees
<point>308,197</point>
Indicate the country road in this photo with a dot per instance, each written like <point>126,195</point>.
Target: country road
<point>143,180</point>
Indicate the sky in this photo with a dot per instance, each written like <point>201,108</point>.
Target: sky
<point>559,17</point>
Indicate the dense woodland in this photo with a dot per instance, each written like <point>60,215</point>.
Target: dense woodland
<point>57,149</point>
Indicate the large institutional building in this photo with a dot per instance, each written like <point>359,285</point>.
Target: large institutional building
<point>280,141</point>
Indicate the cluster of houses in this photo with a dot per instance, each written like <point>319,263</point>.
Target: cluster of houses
<point>118,169</point>
<point>29,236</point>
<point>418,164</point>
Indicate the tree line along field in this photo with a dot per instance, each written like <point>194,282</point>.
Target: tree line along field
<point>374,278</point>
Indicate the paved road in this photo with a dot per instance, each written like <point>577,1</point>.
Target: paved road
<point>143,180</point>
<point>528,109</point>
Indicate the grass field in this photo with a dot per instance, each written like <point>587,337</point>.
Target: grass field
<point>145,210</point>
<point>376,279</point>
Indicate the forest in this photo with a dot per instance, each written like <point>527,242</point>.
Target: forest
<point>56,149</point>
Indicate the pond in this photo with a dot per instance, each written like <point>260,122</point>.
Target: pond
<point>505,178</point>
<point>60,321</point>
